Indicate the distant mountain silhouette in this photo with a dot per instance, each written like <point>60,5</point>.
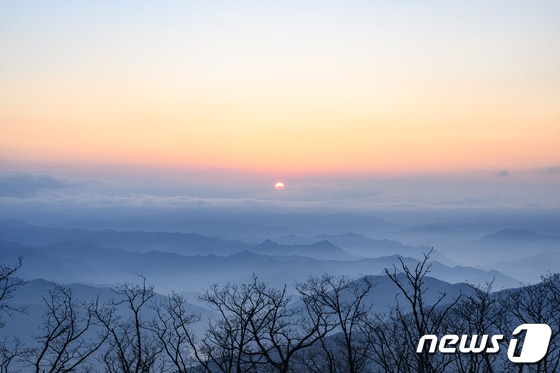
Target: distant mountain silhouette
<point>182,243</point>
<point>322,250</point>
<point>71,262</point>
<point>356,244</point>
<point>429,228</point>
<point>452,274</point>
<point>323,246</point>
<point>514,246</point>
<point>519,234</point>
<point>541,263</point>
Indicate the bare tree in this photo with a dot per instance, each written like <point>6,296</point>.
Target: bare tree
<point>389,347</point>
<point>551,283</point>
<point>404,327</point>
<point>10,350</point>
<point>281,330</point>
<point>478,314</point>
<point>537,303</point>
<point>172,327</point>
<point>343,301</point>
<point>9,282</point>
<point>64,342</point>
<point>227,344</point>
<point>258,328</point>
<point>132,346</point>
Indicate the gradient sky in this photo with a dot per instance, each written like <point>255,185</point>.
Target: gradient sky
<point>284,89</point>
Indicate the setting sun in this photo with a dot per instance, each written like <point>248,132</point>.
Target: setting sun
<point>279,185</point>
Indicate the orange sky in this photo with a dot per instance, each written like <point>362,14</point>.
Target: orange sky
<point>286,89</point>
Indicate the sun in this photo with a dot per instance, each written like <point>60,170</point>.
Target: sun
<point>279,185</point>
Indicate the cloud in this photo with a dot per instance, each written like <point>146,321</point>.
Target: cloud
<point>503,173</point>
<point>30,185</point>
<point>553,171</point>
<point>26,190</point>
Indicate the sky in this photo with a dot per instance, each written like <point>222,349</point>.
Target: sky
<point>343,100</point>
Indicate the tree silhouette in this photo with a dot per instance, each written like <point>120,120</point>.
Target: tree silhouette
<point>10,349</point>
<point>63,343</point>
<point>539,303</point>
<point>8,284</point>
<point>394,338</point>
<point>342,301</point>
<point>478,314</point>
<point>172,327</point>
<point>132,346</point>
<point>259,327</point>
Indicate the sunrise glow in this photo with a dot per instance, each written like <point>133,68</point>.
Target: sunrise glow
<point>292,89</point>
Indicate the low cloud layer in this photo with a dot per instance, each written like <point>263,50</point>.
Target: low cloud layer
<point>49,192</point>
<point>553,171</point>
<point>30,185</point>
<point>503,173</point>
